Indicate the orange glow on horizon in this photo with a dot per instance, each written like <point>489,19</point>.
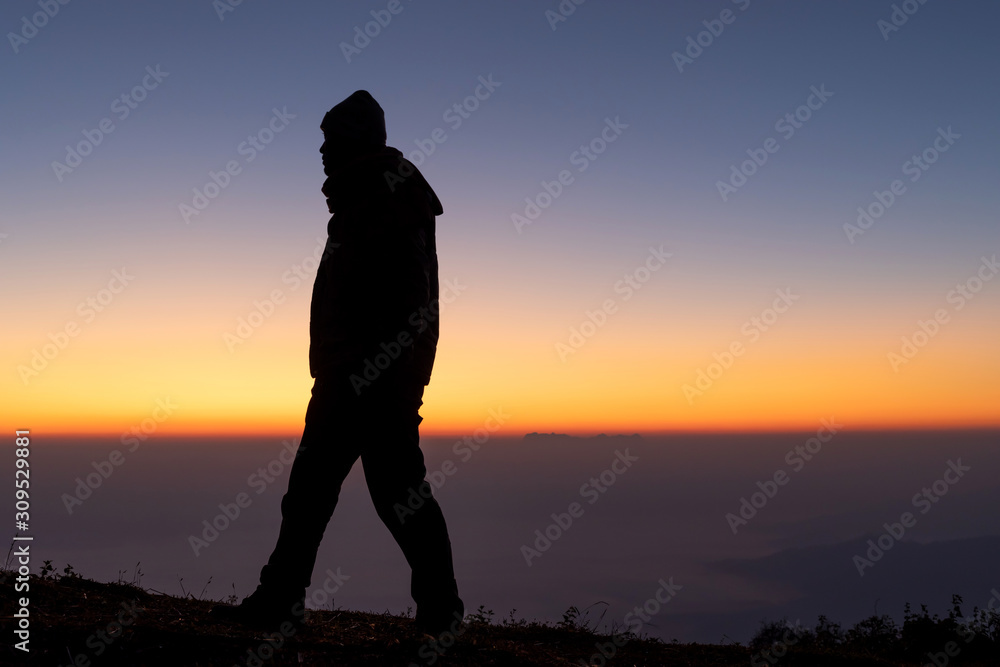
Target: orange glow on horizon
<point>634,376</point>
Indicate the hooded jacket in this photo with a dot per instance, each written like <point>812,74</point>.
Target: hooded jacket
<point>375,300</point>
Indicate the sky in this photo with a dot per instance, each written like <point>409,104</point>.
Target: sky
<point>721,216</point>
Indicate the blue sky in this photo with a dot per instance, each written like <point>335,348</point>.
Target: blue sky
<point>656,184</point>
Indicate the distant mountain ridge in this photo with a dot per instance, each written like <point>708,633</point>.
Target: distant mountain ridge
<point>600,437</point>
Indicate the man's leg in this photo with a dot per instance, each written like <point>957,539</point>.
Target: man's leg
<point>327,451</point>
<point>394,467</point>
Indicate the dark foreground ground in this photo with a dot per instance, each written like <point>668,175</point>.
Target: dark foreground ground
<point>80,622</point>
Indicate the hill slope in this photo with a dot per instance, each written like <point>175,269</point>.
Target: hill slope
<point>77,621</point>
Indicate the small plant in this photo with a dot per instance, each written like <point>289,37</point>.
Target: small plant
<point>770,633</point>
<point>233,598</point>
<point>46,570</point>
<point>827,635</point>
<point>876,635</point>
<point>201,596</point>
<point>481,616</point>
<point>513,622</point>
<point>570,619</point>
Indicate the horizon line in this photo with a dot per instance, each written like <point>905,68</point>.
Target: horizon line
<point>645,433</point>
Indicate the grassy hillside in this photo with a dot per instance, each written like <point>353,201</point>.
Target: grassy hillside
<point>77,621</point>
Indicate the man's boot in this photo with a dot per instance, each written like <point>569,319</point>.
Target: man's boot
<point>266,609</point>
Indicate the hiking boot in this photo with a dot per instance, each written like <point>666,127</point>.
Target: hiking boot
<point>265,609</point>
<point>437,623</point>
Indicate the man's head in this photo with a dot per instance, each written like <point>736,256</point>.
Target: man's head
<point>353,127</point>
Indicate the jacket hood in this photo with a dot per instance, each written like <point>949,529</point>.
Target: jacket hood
<point>355,124</point>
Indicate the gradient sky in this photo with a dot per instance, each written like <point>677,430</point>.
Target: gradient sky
<point>163,335</point>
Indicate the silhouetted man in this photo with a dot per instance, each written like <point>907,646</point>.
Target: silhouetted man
<point>373,338</point>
